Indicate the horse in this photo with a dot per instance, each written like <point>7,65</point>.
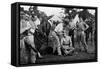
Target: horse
<point>41,35</point>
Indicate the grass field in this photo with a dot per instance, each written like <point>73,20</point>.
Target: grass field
<point>75,56</point>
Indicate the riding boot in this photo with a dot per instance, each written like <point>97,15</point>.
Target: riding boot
<point>39,55</point>
<point>59,51</point>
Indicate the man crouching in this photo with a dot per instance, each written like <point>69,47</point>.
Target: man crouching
<point>66,43</point>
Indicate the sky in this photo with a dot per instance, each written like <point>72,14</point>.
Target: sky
<point>91,11</point>
<point>53,10</point>
<point>47,10</point>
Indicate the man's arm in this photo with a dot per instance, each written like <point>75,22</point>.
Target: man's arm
<point>61,41</point>
<point>86,26</point>
<point>70,42</point>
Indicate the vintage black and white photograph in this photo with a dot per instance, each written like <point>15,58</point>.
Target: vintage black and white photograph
<point>57,34</point>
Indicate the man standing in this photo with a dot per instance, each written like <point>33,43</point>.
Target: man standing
<point>28,50</point>
<point>57,33</point>
<point>81,27</point>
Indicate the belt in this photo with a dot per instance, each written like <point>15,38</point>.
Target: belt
<point>66,44</point>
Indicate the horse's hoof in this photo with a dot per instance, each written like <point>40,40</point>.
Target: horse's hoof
<point>40,57</point>
<point>59,55</point>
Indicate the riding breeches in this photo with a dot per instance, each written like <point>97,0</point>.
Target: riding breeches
<point>81,38</point>
<point>58,47</point>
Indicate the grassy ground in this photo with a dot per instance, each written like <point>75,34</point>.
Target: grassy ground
<point>75,56</point>
<point>55,58</point>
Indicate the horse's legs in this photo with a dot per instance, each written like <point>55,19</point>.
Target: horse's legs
<point>71,33</point>
<point>87,36</point>
<point>91,36</point>
<point>28,51</point>
<point>54,49</point>
<point>73,40</point>
<point>95,37</point>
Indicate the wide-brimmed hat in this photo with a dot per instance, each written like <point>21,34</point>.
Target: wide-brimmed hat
<point>66,21</point>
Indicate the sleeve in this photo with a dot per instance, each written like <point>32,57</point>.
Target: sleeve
<point>24,29</point>
<point>62,41</point>
<point>50,22</point>
<point>33,25</point>
<point>56,28</point>
<point>70,41</point>
<point>86,26</point>
<point>59,27</point>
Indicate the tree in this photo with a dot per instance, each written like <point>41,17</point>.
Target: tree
<point>70,13</point>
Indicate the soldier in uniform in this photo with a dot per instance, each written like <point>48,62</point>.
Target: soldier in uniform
<point>27,46</point>
<point>81,26</point>
<point>66,43</point>
<point>57,33</point>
